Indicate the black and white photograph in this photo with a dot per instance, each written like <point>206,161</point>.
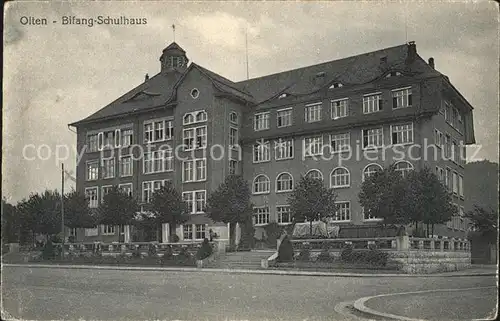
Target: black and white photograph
<point>250,160</point>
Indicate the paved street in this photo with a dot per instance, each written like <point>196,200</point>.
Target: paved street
<point>42,294</point>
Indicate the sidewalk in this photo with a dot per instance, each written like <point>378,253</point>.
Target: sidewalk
<point>444,304</point>
<point>475,271</point>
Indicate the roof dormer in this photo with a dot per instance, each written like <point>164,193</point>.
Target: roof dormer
<point>173,58</point>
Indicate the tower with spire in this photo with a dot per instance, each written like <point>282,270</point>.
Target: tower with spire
<point>173,58</point>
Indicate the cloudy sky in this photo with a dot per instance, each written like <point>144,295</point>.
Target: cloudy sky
<point>55,74</point>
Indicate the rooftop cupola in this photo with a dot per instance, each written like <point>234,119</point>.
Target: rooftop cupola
<point>173,58</point>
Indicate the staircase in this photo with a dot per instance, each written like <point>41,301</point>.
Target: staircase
<point>241,260</point>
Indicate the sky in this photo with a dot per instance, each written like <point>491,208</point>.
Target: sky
<point>56,74</point>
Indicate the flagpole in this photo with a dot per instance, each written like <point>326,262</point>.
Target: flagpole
<point>62,210</point>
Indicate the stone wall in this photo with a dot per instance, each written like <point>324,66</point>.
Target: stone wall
<point>416,262</point>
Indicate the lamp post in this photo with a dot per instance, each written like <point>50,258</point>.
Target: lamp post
<point>62,210</point>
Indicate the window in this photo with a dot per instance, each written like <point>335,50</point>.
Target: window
<point>440,174</point>
<point>261,151</point>
<point>127,136</point>
<point>455,183</point>
<point>261,215</point>
<point>233,117</point>
<point>461,186</point>
<point>447,143</point>
<point>313,112</point>
<point>339,108</point>
<point>284,214</point>
<point>233,137</point>
<point>91,231</point>
<point>201,169</point>
<point>448,179</point>
<point>404,167</point>
<point>455,153</point>
<point>126,188</point>
<point>261,121</point>
<point>188,139</point>
<point>72,232</point>
<point>187,231</point>
<point>148,133</point>
<point>108,229</point>
<point>195,200</point>
<point>340,142</point>
<point>195,93</point>
<point>314,174</point>
<point>370,170</point>
<point>158,130</point>
<point>368,216</point>
<point>158,161</point>
<point>343,212</point>
<point>109,139</point>
<point>261,184</point>
<point>284,182</point>
<point>373,137</point>
<point>194,170</point>
<point>148,188</point>
<point>462,154</point>
<point>108,168</point>
<point>336,85</point>
<point>200,231</point>
<point>201,137</point>
<point>372,103</point>
<point>200,133</point>
<point>126,166</point>
<point>92,170</point>
<point>100,141</point>
<point>401,98</point>
<point>194,117</point>
<point>284,117</point>
<point>340,177</point>
<point>233,165</point>
<point>283,149</point>
<point>438,138</point>
<point>313,146</point>
<point>105,191</point>
<point>402,134</point>
<point>91,193</point>
<point>187,170</point>
<point>92,143</point>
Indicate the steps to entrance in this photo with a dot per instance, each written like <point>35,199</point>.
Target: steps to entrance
<point>240,260</point>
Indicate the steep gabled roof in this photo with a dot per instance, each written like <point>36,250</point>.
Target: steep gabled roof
<point>353,70</point>
<point>174,46</point>
<point>154,92</point>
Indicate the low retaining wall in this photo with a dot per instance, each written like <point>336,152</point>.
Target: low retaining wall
<point>416,262</point>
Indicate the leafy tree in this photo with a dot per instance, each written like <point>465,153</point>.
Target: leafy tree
<point>41,213</point>
<point>11,223</point>
<point>311,200</point>
<point>384,194</point>
<point>77,212</point>
<point>230,203</point>
<point>118,208</point>
<point>485,221</point>
<point>482,185</point>
<point>427,201</point>
<point>167,206</point>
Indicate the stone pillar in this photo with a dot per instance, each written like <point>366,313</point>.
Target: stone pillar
<point>441,246</point>
<point>126,232</point>
<point>394,244</point>
<point>403,243</point>
<point>451,246</point>
<point>420,245</point>
<point>164,232</point>
<point>433,244</point>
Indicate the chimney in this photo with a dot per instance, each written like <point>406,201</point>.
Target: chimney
<point>146,78</point>
<point>431,62</point>
<point>412,52</point>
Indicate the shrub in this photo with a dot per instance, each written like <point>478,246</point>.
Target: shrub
<point>48,251</point>
<point>346,254</point>
<point>325,256</point>
<point>273,232</point>
<point>374,257</point>
<point>204,251</point>
<point>174,238</point>
<point>304,255</point>
<point>136,252</point>
<point>152,250</point>
<point>185,258</point>
<point>285,251</point>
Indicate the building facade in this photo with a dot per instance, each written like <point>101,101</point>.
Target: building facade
<point>340,121</point>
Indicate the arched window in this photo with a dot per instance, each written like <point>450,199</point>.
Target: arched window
<point>404,167</point>
<point>188,119</point>
<point>233,117</point>
<point>371,169</point>
<point>314,174</point>
<point>261,184</point>
<point>340,177</point>
<point>201,116</point>
<point>284,182</point>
